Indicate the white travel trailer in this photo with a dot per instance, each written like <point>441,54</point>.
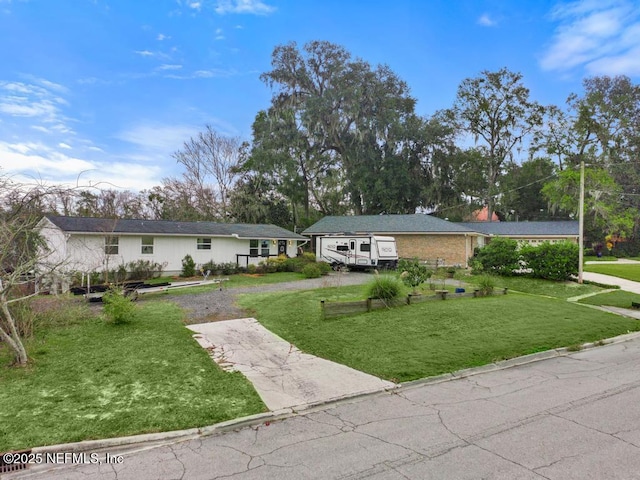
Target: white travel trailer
<point>357,251</point>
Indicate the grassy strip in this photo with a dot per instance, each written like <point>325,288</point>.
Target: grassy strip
<point>627,271</point>
<point>607,258</point>
<point>614,299</point>
<point>541,287</point>
<point>94,380</point>
<point>408,343</point>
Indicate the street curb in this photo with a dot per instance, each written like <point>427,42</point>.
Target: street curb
<point>156,439</point>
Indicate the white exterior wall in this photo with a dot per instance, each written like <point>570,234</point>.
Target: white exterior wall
<point>57,243</point>
<point>86,252</point>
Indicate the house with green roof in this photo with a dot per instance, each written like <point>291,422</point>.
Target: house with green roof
<point>97,244</point>
<point>431,238</point>
<point>417,235</point>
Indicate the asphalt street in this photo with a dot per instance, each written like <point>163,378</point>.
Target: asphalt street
<point>576,415</point>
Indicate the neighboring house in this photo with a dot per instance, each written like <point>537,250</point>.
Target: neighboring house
<point>533,233</point>
<point>430,238</point>
<point>97,244</point>
<point>422,236</point>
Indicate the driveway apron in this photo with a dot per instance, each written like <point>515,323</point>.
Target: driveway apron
<point>283,376</point>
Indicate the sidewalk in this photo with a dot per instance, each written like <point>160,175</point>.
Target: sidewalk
<point>626,285</point>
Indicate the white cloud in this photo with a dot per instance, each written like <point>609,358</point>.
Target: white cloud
<point>39,160</point>
<point>169,67</point>
<point>254,7</point>
<point>156,138</point>
<point>162,36</point>
<point>219,34</point>
<point>603,37</point>
<point>211,73</point>
<point>19,99</point>
<point>195,5</point>
<point>144,53</point>
<point>65,146</point>
<point>28,161</point>
<point>486,21</point>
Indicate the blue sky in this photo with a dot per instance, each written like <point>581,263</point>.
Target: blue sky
<point>108,89</point>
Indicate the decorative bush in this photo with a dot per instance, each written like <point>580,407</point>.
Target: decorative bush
<point>311,270</point>
<point>324,267</point>
<point>308,257</point>
<point>118,308</point>
<point>551,261</point>
<point>214,268</point>
<point>486,284</point>
<point>384,287</point>
<point>500,257</point>
<point>412,273</point>
<point>188,267</point>
<point>143,269</point>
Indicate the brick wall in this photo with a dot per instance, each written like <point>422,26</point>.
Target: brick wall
<point>451,248</point>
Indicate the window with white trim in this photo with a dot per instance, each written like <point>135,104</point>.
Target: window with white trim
<point>203,244</point>
<point>258,248</point>
<point>147,246</point>
<point>253,248</point>
<point>111,245</point>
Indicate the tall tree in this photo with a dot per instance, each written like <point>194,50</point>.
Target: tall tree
<point>496,111</point>
<point>253,201</point>
<point>23,255</point>
<point>338,129</point>
<point>522,197</point>
<point>211,161</point>
<point>603,212</point>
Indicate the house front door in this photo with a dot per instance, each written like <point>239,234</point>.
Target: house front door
<point>282,247</point>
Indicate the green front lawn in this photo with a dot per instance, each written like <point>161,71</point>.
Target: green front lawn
<point>604,258</point>
<point>90,380</point>
<point>541,287</point>
<point>627,271</point>
<point>427,339</point>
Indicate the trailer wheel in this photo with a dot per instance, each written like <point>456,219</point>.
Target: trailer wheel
<point>337,267</point>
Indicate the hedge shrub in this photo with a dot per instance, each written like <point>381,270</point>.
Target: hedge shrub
<point>551,261</point>
<point>500,257</point>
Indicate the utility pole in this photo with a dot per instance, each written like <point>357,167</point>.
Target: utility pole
<point>581,223</point>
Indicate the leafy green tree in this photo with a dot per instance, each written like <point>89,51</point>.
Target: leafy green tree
<point>495,109</point>
<point>339,135</point>
<point>522,184</point>
<point>603,212</point>
<point>251,201</point>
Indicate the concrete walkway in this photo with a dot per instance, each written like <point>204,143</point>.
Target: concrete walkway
<point>626,285</point>
<point>283,376</point>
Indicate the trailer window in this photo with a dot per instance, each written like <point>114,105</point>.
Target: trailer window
<point>342,248</point>
<point>352,245</point>
<point>365,247</point>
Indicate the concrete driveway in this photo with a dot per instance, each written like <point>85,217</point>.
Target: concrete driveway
<point>283,376</point>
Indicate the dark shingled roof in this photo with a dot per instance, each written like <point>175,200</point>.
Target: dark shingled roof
<point>559,228</point>
<point>415,223</point>
<point>165,227</point>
